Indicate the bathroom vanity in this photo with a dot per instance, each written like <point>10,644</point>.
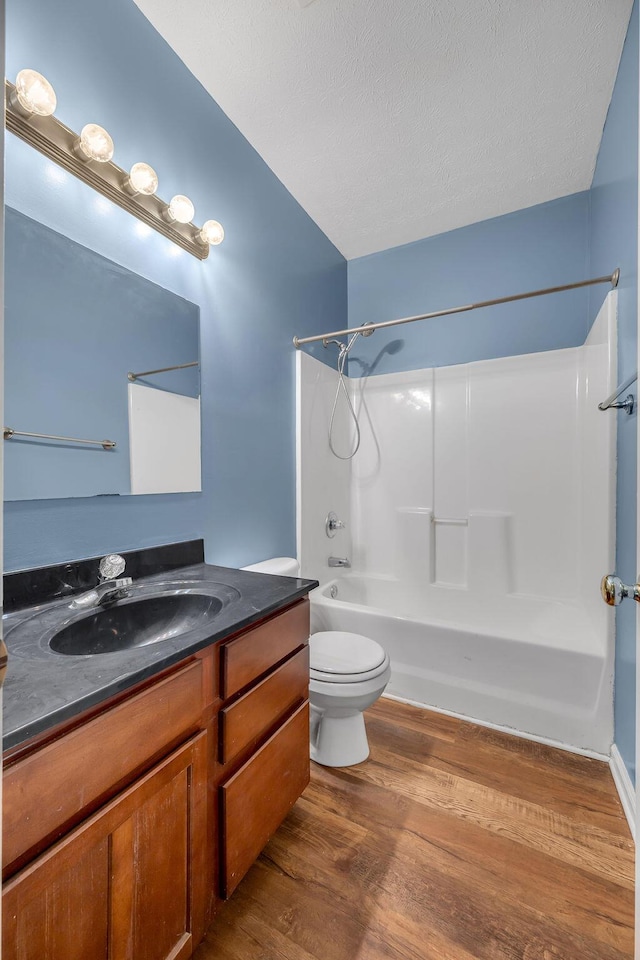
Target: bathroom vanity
<point>127,820</point>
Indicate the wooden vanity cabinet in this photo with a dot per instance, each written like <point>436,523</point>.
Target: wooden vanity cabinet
<point>264,736</point>
<point>122,830</point>
<point>128,883</point>
<point>50,789</point>
<point>108,828</point>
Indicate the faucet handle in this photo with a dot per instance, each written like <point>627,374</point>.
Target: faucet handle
<point>112,566</point>
<point>332,524</point>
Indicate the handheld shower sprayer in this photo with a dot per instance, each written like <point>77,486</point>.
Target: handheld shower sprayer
<point>343,353</point>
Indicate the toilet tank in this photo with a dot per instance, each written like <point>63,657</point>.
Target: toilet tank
<point>279,566</point>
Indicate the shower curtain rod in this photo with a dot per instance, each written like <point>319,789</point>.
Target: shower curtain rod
<point>370,327</point>
<point>176,366</point>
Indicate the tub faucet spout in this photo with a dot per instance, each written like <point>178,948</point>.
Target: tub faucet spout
<point>339,562</point>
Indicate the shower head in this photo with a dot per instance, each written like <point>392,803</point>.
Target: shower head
<point>354,337</point>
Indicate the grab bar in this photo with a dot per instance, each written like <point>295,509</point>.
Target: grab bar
<point>612,402</point>
<point>9,432</point>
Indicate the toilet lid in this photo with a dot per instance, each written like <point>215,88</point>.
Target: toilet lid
<point>336,652</point>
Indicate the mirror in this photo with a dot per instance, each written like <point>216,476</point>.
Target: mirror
<point>76,324</point>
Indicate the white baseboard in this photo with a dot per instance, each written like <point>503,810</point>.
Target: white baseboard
<point>625,788</point>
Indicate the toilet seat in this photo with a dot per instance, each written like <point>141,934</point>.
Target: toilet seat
<point>350,677</point>
<point>340,657</point>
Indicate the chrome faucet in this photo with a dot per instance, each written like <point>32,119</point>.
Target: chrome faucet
<point>339,562</point>
<point>110,587</point>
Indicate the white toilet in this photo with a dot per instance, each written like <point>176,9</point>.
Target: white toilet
<point>348,672</point>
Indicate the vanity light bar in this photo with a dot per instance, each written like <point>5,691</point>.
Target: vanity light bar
<point>57,142</point>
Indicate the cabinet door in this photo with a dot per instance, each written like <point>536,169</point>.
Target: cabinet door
<point>257,798</point>
<point>129,883</point>
<point>58,907</point>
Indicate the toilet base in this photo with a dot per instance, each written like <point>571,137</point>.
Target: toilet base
<point>338,741</point>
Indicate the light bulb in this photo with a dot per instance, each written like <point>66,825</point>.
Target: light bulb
<point>181,209</point>
<point>34,94</point>
<point>142,179</point>
<point>95,143</point>
<point>212,233</point>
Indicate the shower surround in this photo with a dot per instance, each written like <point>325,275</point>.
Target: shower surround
<point>480,519</point>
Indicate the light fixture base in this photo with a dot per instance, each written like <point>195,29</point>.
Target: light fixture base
<point>128,187</point>
<point>14,102</point>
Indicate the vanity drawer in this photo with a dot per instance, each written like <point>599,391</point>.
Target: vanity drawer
<point>52,789</point>
<point>258,797</point>
<point>246,658</point>
<point>245,721</point>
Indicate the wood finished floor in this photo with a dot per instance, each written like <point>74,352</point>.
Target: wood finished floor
<point>451,842</point>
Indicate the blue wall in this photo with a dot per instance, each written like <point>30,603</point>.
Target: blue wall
<point>542,246</point>
<point>275,275</point>
<point>614,239</point>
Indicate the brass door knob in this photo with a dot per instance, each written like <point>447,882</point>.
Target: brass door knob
<point>614,591</point>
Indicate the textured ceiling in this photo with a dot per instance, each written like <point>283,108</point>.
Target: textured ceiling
<point>392,120</point>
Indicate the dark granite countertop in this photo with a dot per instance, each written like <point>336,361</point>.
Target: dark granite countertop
<point>43,688</point>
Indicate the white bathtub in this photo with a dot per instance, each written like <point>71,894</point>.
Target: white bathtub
<point>534,666</point>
